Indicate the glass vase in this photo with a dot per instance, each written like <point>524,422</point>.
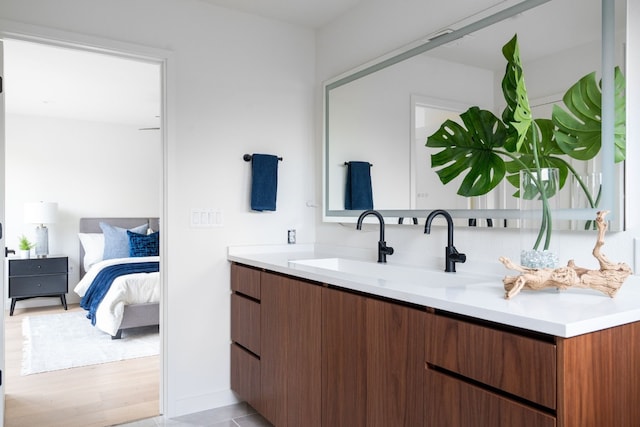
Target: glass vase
<point>538,204</point>
<point>585,193</point>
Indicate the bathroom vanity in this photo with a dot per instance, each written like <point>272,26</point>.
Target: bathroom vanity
<point>326,341</point>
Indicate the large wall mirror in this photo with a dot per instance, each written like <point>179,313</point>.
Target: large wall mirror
<point>383,112</point>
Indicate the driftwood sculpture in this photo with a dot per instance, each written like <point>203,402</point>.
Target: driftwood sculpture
<point>608,279</point>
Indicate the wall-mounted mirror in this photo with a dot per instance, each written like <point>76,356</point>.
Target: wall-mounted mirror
<point>383,112</point>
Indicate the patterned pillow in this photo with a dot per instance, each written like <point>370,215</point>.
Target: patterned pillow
<point>144,244</point>
<point>116,242</point>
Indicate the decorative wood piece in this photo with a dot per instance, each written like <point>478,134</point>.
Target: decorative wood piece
<point>607,279</point>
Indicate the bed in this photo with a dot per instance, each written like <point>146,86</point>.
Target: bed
<point>133,300</point>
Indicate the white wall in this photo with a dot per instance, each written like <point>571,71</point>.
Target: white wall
<point>371,30</point>
<point>88,168</point>
<point>237,84</point>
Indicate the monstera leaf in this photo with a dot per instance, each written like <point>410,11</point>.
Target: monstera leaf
<point>620,106</point>
<point>517,113</point>
<point>579,130</point>
<point>470,149</point>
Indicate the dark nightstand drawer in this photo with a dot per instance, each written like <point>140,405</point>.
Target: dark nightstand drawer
<point>38,277</point>
<point>29,267</point>
<point>29,286</point>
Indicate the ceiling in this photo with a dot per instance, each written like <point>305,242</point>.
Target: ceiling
<point>49,81</point>
<point>557,35</point>
<point>308,13</point>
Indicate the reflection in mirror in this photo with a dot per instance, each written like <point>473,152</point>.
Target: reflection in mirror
<point>383,112</point>
<point>428,114</point>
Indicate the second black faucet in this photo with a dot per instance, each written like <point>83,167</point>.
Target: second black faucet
<point>451,253</point>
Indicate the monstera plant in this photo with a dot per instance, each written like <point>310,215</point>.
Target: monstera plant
<point>579,133</point>
<point>485,149</point>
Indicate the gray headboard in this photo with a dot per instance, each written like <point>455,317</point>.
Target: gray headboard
<point>92,225</point>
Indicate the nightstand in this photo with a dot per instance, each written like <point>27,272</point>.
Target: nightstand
<point>38,277</point>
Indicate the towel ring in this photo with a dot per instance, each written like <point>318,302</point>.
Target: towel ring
<point>247,158</point>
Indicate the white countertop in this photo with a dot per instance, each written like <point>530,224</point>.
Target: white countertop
<point>560,313</point>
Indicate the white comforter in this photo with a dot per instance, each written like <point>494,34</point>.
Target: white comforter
<point>129,289</point>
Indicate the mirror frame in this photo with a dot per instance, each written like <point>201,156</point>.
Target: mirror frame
<point>421,46</point>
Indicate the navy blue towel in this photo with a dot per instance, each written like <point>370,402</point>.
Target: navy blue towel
<point>358,194</point>
<point>264,182</point>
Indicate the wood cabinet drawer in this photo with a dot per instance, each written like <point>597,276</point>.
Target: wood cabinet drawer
<point>245,280</point>
<point>245,323</point>
<point>454,403</point>
<point>30,267</point>
<point>245,375</point>
<point>517,364</point>
<point>29,286</point>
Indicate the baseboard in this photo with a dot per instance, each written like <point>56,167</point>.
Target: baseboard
<point>193,404</point>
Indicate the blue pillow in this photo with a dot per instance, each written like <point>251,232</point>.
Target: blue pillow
<point>144,244</point>
<point>116,241</point>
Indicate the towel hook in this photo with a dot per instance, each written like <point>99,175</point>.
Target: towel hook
<point>347,164</point>
<point>247,158</point>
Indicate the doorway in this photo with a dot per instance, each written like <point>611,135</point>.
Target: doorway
<point>76,121</point>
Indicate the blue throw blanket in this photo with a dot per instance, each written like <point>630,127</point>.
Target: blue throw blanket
<point>101,284</point>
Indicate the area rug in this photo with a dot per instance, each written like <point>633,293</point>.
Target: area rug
<point>67,340</point>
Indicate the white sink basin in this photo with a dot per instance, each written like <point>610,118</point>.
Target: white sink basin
<point>390,272</point>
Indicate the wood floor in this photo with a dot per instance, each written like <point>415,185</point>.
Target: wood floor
<point>98,395</point>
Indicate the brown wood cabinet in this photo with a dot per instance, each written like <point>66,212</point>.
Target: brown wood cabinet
<point>290,351</point>
<point>306,354</point>
<point>275,351</point>
<point>372,361</point>
<point>489,375</point>
<point>245,375</point>
<point>452,402</point>
<point>599,378</point>
<point>245,322</point>
<point>395,363</point>
<point>245,334</point>
<point>344,358</point>
<point>517,364</point>
<point>324,357</point>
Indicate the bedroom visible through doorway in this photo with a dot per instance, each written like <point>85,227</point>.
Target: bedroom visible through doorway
<point>84,130</point>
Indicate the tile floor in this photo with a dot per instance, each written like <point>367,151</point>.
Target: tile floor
<point>238,415</point>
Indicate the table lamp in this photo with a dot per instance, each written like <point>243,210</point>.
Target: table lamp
<point>41,213</point>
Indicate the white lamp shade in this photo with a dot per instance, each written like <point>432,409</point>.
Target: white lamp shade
<point>40,212</point>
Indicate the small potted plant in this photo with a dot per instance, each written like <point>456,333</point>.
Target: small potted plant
<point>25,246</point>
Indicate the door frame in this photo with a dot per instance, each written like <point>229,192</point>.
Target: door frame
<point>2,238</point>
<point>164,59</point>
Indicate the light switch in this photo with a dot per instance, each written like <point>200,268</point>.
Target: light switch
<point>206,218</point>
<point>195,218</point>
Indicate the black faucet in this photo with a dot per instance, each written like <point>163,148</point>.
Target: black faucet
<point>451,253</point>
<point>383,249</point>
